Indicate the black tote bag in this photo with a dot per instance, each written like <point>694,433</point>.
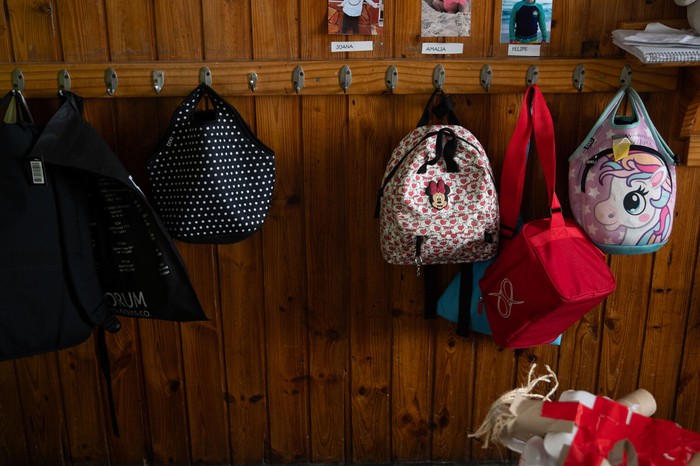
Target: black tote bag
<point>49,300</point>
<point>133,259</point>
<point>211,178</point>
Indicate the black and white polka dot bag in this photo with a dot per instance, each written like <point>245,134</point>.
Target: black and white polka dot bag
<point>211,178</point>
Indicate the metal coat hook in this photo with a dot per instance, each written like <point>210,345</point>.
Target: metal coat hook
<point>626,76</point>
<point>579,77</point>
<point>205,76</point>
<point>158,78</point>
<point>532,76</point>
<point>111,81</point>
<point>486,77</point>
<point>439,76</point>
<point>64,81</point>
<point>17,80</point>
<point>392,77</point>
<point>298,78</point>
<point>345,78</point>
<point>252,81</point>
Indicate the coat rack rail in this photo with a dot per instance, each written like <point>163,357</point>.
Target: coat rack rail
<point>260,78</point>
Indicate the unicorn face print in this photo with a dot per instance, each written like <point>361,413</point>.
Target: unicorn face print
<point>635,200</point>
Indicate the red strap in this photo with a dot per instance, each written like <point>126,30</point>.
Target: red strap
<point>534,118</point>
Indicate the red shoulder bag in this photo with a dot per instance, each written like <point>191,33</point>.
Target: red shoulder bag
<point>549,274</point>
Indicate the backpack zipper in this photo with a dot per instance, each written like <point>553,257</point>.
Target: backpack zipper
<point>593,160</point>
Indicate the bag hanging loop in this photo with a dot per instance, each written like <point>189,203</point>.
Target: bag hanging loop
<point>626,76</point>
<point>486,77</point>
<point>345,78</point>
<point>298,79</point>
<point>64,81</point>
<point>17,80</point>
<point>158,78</point>
<point>392,78</point>
<point>579,77</point>
<point>205,76</point>
<point>252,81</point>
<point>111,80</point>
<point>532,76</point>
<point>439,77</point>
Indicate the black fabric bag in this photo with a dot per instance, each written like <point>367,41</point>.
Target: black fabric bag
<point>211,178</point>
<point>42,310</point>
<point>135,265</point>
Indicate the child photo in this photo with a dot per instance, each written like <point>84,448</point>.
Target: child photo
<point>363,17</point>
<point>446,18</point>
<point>526,21</point>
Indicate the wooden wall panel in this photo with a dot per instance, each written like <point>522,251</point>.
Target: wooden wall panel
<point>276,29</point>
<point>13,439</point>
<point>83,31</point>
<point>370,310</point>
<point>275,35</point>
<point>131,31</point>
<point>687,413</point>
<point>226,30</point>
<point>42,410</point>
<point>285,280</point>
<point>243,328</point>
<point>178,29</point>
<point>325,151</point>
<point>34,30</point>
<point>6,49</point>
<point>407,39</point>
<point>317,350</point>
<point>494,367</point>
<point>569,21</point>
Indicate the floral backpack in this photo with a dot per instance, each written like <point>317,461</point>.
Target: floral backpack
<point>438,202</point>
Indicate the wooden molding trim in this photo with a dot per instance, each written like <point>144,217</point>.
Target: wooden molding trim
<point>322,77</point>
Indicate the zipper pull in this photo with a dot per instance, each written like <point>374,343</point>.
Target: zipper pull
<point>419,262</point>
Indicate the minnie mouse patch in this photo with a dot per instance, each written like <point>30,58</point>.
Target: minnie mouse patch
<point>437,194</point>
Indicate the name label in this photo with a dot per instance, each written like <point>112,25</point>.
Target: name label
<point>354,46</point>
<point>524,50</point>
<point>432,48</point>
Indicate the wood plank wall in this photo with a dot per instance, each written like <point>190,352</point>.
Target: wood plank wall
<point>316,350</point>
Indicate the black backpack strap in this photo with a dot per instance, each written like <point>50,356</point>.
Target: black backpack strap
<point>103,358</point>
<point>465,297</point>
<point>445,107</point>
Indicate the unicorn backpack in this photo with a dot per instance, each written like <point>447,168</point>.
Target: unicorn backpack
<point>622,181</point>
